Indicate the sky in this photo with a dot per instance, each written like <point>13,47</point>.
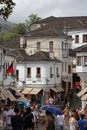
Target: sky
<point>47,8</point>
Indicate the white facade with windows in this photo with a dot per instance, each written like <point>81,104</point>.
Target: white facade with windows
<point>79,37</point>
<point>42,74</point>
<point>60,48</point>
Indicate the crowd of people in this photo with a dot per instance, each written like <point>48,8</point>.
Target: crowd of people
<point>21,118</point>
<point>74,119</point>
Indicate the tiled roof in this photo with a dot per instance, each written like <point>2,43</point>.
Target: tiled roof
<point>47,31</point>
<point>12,44</point>
<point>70,22</point>
<point>55,26</point>
<point>81,49</point>
<point>39,56</point>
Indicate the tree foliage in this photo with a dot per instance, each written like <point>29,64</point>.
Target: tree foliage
<point>8,36</point>
<point>6,8</point>
<point>31,19</point>
<point>19,29</point>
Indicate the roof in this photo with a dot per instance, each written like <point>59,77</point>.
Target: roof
<point>12,44</point>
<point>38,56</point>
<point>70,22</point>
<point>56,26</point>
<point>47,31</point>
<point>81,48</point>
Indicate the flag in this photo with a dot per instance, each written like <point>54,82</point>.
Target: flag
<point>10,69</point>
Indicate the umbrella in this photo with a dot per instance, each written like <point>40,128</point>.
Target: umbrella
<point>53,109</point>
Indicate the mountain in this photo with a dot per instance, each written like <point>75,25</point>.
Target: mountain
<point>6,25</point>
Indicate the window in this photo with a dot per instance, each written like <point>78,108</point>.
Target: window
<point>66,46</point>
<point>70,36</point>
<point>57,72</point>
<point>38,46</point>
<point>85,60</point>
<point>51,45</point>
<point>84,38</point>
<point>25,43</point>
<point>79,60</point>
<point>28,72</point>
<point>62,46</point>
<point>17,75</point>
<point>38,74</point>
<point>65,67</point>
<point>51,75</point>
<point>76,38</point>
<point>69,69</point>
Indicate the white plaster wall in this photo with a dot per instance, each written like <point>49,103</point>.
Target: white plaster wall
<point>45,72</point>
<point>32,45</point>
<point>80,33</point>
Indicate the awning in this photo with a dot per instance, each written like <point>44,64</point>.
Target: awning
<point>10,96</point>
<point>26,90</point>
<point>84,97</point>
<point>7,94</point>
<point>3,94</point>
<point>82,92</point>
<point>35,91</point>
<point>54,89</point>
<point>57,89</point>
<point>60,89</point>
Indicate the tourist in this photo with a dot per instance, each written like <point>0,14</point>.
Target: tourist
<point>48,121</point>
<point>60,121</point>
<point>73,122</point>
<point>82,122</point>
<point>17,120</point>
<point>29,119</point>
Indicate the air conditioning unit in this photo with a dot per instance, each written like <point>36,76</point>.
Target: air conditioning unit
<point>32,52</point>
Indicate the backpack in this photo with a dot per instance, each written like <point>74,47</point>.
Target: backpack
<point>28,120</point>
<point>51,125</point>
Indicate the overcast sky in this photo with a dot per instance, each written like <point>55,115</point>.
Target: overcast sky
<point>46,8</point>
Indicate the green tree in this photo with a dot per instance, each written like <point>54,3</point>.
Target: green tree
<point>8,36</point>
<point>6,8</point>
<point>19,29</point>
<point>31,19</point>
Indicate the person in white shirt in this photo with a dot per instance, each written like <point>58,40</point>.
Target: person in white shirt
<point>60,121</point>
<point>51,100</point>
<point>8,114</point>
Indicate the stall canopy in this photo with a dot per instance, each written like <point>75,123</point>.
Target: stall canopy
<point>2,94</point>
<point>60,89</point>
<point>82,92</point>
<point>26,90</point>
<point>57,89</point>
<point>10,96</point>
<point>84,97</point>
<point>54,89</point>
<point>6,94</point>
<point>35,91</point>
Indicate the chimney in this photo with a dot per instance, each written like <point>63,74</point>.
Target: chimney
<point>51,54</point>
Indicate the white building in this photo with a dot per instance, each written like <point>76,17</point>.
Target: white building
<point>53,40</point>
<point>40,71</point>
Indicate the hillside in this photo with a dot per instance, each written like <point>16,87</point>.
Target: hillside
<point>6,25</point>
